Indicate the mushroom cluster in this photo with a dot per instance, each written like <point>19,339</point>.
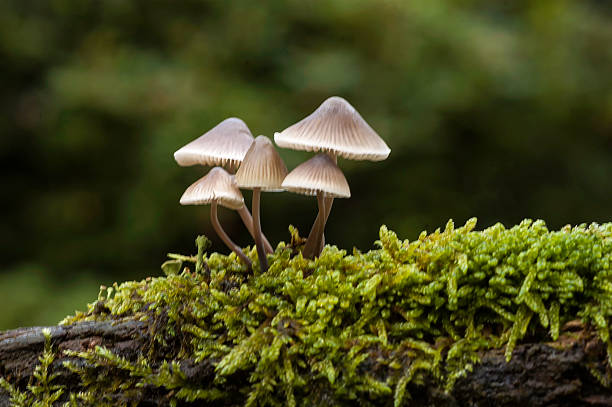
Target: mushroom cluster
<point>335,129</point>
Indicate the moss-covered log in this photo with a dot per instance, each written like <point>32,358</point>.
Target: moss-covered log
<point>539,374</point>
<point>457,317</point>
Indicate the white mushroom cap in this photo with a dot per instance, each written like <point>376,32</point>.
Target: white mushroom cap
<point>262,167</point>
<point>218,185</point>
<point>335,127</point>
<point>319,174</point>
<point>224,144</point>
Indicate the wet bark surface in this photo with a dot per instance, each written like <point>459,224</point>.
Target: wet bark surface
<point>557,373</point>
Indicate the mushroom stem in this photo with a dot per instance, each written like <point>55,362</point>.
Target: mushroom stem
<point>226,239</point>
<point>313,243</point>
<point>328,204</point>
<point>261,252</point>
<point>329,201</point>
<point>247,219</point>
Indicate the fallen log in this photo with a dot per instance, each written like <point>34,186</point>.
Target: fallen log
<point>560,373</point>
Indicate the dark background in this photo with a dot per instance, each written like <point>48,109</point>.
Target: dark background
<point>496,109</point>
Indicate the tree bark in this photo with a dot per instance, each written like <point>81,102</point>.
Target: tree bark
<point>539,374</point>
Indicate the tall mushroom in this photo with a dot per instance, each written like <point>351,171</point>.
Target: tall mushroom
<point>217,187</point>
<point>225,145</point>
<point>261,170</point>
<point>318,176</point>
<point>337,129</point>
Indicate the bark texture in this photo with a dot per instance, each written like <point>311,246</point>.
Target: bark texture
<point>539,374</point>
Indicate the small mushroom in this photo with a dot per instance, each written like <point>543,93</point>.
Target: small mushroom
<point>318,176</point>
<point>224,145</point>
<point>217,187</point>
<point>261,170</point>
<point>337,129</point>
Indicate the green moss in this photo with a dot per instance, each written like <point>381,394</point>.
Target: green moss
<point>367,326</point>
<point>40,392</point>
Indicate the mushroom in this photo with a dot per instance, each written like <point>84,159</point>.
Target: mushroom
<point>337,129</point>
<point>261,169</point>
<point>217,187</point>
<point>318,176</point>
<point>225,145</point>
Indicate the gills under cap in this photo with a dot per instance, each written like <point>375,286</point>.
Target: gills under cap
<point>262,167</point>
<point>216,186</point>
<point>335,127</point>
<point>319,174</point>
<point>224,144</point>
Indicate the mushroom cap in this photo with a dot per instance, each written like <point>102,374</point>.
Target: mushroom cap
<point>262,167</point>
<point>335,127</point>
<point>218,185</point>
<point>224,144</point>
<point>319,174</point>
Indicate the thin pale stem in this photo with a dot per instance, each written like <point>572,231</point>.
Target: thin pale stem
<point>226,239</point>
<point>313,243</point>
<point>247,219</point>
<point>261,251</point>
<point>328,204</point>
<point>324,204</point>
<point>329,201</point>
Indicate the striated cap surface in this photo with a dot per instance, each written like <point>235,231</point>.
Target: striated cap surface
<point>225,144</point>
<point>262,167</point>
<point>335,127</point>
<point>218,185</point>
<point>319,174</point>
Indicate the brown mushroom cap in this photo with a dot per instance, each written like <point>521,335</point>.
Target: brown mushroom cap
<point>218,185</point>
<point>224,144</point>
<point>335,127</point>
<point>262,167</point>
<point>319,174</point>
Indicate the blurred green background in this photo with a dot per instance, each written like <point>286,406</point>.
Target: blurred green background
<point>495,109</point>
